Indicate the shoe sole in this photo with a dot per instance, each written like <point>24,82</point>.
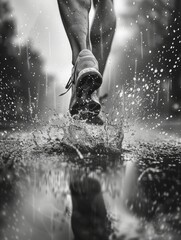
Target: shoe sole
<point>88,81</point>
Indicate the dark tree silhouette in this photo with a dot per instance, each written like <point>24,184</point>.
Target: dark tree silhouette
<point>22,80</point>
<point>166,22</point>
<point>175,39</point>
<point>154,51</point>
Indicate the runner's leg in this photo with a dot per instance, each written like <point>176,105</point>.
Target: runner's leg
<point>75,17</point>
<point>102,31</point>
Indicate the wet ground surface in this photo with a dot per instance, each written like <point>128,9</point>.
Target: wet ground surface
<point>50,194</point>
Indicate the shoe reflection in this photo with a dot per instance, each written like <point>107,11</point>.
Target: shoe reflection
<point>89,216</point>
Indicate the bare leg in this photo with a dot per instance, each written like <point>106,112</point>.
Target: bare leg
<point>102,31</point>
<point>75,17</point>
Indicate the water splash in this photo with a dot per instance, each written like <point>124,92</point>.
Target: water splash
<point>30,103</point>
<point>141,34</point>
<point>27,56</point>
<point>54,95</point>
<point>19,41</point>
<point>46,83</point>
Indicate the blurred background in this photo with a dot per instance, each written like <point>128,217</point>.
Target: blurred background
<point>143,73</point>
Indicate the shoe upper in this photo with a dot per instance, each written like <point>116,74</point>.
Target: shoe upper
<point>84,60</point>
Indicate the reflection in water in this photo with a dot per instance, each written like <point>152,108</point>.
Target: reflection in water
<point>132,200</point>
<point>89,216</point>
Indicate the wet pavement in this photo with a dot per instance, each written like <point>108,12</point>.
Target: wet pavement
<point>135,195</point>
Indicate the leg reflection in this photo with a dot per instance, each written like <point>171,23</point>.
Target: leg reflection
<point>89,215</point>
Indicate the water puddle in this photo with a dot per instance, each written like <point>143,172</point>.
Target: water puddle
<point>122,199</point>
<point>130,195</point>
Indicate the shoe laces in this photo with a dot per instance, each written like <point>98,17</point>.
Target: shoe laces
<point>70,82</point>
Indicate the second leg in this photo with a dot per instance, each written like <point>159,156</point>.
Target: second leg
<point>102,31</point>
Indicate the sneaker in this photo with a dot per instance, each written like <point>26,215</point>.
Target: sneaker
<point>84,81</point>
